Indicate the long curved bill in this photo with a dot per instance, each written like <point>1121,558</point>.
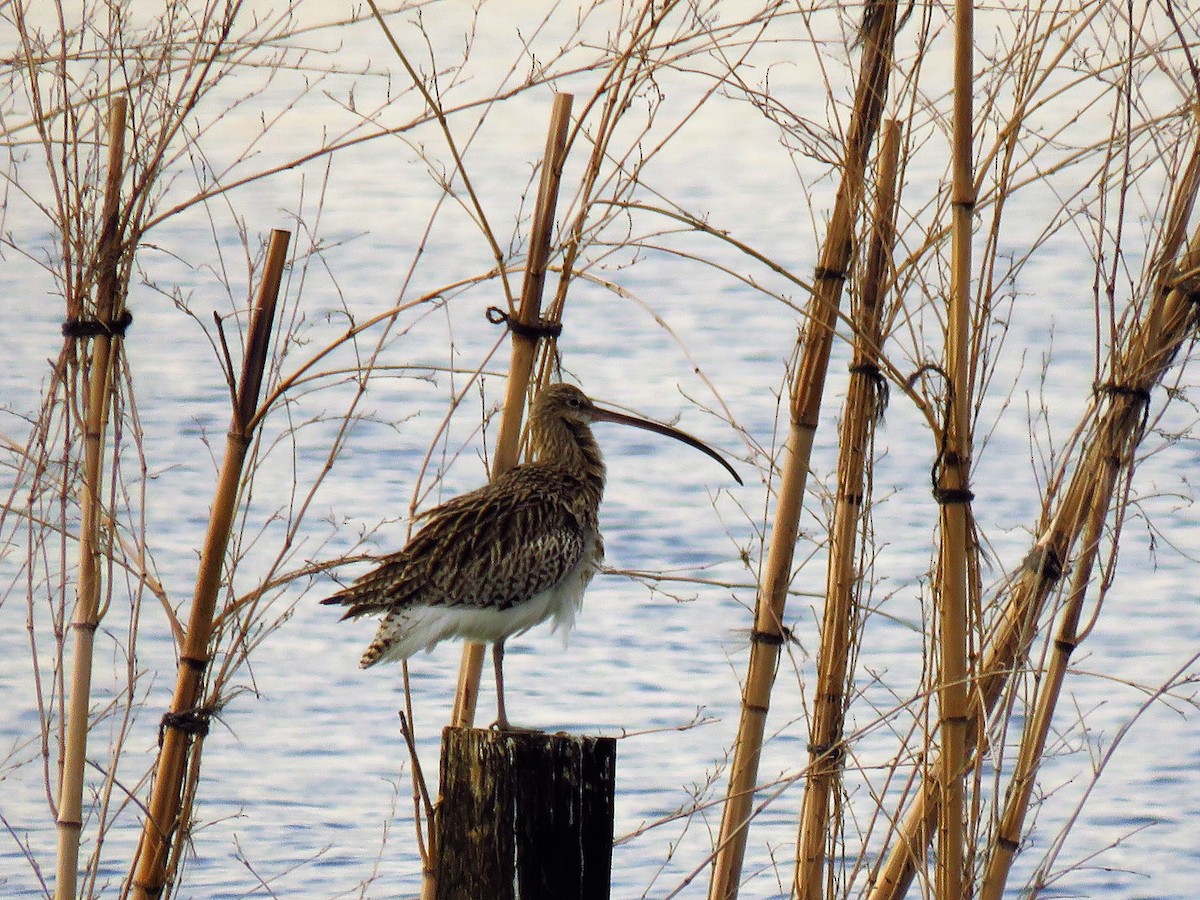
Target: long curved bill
<point>608,415</point>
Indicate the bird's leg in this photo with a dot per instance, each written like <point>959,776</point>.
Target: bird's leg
<point>498,662</point>
<point>502,723</point>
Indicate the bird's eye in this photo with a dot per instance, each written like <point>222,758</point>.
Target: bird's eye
<point>573,402</point>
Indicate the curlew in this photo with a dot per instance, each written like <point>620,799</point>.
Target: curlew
<point>492,563</point>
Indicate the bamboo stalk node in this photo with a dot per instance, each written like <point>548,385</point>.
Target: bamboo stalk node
<point>539,328</point>
<point>89,328</point>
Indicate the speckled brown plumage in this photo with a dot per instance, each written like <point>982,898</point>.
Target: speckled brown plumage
<point>492,563</point>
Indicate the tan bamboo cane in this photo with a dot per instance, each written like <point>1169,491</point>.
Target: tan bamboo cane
<point>109,309</point>
<point>187,719</point>
<point>807,389</point>
<point>826,753</point>
<point>953,488</point>
<point>1139,365</point>
<point>524,348</point>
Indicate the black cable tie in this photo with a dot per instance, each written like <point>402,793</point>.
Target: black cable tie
<point>873,374</point>
<point>89,328</point>
<point>766,637</point>
<point>1112,389</point>
<point>829,754</point>
<point>1044,562</point>
<point>946,496</point>
<point>822,273</point>
<point>189,721</point>
<point>869,369</point>
<point>194,663</point>
<point>542,328</point>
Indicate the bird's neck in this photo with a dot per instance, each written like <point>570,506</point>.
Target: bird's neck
<point>574,448</point>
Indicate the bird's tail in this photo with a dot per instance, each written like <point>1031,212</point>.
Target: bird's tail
<point>376,592</point>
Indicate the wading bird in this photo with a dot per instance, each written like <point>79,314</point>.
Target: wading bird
<point>492,563</point>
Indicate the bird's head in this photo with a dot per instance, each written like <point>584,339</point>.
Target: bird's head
<point>568,405</point>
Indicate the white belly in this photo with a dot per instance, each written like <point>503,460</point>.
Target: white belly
<point>404,632</point>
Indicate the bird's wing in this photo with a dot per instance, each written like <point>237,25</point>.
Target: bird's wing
<point>495,546</point>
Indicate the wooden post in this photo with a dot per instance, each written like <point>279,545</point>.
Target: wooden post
<point>525,816</point>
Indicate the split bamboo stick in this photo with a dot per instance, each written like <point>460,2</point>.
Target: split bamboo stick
<point>953,488</point>
<point>807,390</point>
<point>106,347</point>
<point>186,723</point>
<point>826,753</point>
<point>524,348</point>
<point>1138,366</point>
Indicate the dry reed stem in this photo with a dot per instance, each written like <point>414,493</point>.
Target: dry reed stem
<point>179,757</point>
<point>863,406</point>
<point>953,487</point>
<point>807,390</point>
<point>1139,363</point>
<point>106,348</point>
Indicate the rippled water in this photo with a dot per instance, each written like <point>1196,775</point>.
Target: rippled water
<point>306,789</point>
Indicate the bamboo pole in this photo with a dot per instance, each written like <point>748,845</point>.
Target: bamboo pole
<point>807,389</point>
<point>187,718</point>
<point>1138,367</point>
<point>953,488</point>
<point>109,309</point>
<point>524,348</point>
<point>826,754</point>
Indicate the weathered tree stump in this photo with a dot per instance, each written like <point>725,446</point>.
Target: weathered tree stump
<point>525,816</point>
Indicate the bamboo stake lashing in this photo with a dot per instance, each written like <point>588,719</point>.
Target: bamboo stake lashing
<point>953,488</point>
<point>862,406</point>
<point>806,392</point>
<point>186,723</point>
<point>1153,343</point>
<point>109,309</point>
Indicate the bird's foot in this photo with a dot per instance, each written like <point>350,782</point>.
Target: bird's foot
<point>505,725</point>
